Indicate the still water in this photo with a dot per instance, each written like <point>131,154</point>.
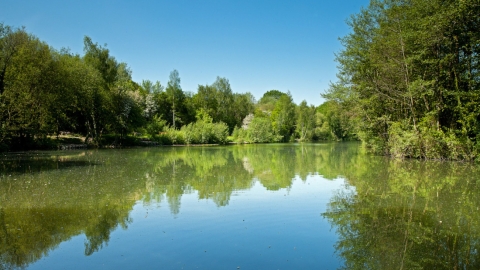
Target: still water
<point>276,206</point>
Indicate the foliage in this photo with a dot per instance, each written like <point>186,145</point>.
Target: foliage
<point>305,122</point>
<point>222,104</point>
<point>176,97</point>
<point>204,131</point>
<point>409,72</point>
<point>283,117</point>
<point>258,131</point>
<point>46,92</point>
<point>155,126</point>
<point>269,99</point>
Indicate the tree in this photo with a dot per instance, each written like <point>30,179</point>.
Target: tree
<point>126,107</point>
<point>224,97</point>
<point>269,99</point>
<point>260,131</point>
<point>99,57</point>
<point>206,99</point>
<point>27,87</point>
<point>410,70</point>
<point>283,117</point>
<point>243,105</point>
<point>305,122</point>
<point>10,42</point>
<point>176,97</point>
<point>103,111</point>
<point>222,104</point>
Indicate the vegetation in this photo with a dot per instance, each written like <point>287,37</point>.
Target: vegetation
<point>46,93</point>
<point>409,80</point>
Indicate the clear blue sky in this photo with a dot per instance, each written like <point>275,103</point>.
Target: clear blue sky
<point>257,45</point>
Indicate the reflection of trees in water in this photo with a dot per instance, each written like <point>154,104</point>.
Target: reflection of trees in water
<point>41,209</point>
<point>21,163</point>
<point>26,235</point>
<point>98,232</point>
<point>408,215</point>
<point>93,192</point>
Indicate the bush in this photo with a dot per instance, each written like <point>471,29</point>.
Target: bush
<point>202,132</point>
<point>155,126</point>
<point>220,133</point>
<point>428,142</point>
<point>403,142</point>
<point>174,136</point>
<point>260,130</point>
<point>162,139</point>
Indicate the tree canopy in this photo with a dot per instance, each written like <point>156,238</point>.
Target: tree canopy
<point>409,77</point>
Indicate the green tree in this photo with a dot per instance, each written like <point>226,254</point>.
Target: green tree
<point>260,131</point>
<point>127,108</point>
<point>102,115</point>
<point>27,87</point>
<point>410,70</point>
<point>206,99</point>
<point>243,105</point>
<point>224,97</point>
<point>99,57</point>
<point>176,98</point>
<point>283,117</point>
<point>268,100</point>
<point>10,42</point>
<point>305,122</point>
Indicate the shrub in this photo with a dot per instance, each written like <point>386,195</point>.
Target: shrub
<point>174,136</point>
<point>155,126</point>
<point>260,130</point>
<point>202,132</point>
<point>428,142</point>
<point>402,141</point>
<point>220,133</point>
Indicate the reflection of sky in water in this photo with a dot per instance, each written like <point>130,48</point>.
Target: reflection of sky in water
<point>258,229</point>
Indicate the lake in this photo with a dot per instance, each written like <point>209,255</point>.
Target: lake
<point>272,206</point>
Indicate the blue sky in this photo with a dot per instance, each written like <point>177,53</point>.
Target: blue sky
<point>257,45</point>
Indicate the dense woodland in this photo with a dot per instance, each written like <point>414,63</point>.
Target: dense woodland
<point>409,78</point>
<point>46,93</point>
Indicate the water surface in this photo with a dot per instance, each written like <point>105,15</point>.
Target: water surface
<point>277,206</point>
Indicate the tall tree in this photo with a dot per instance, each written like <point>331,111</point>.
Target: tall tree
<point>177,99</point>
<point>28,72</point>
<point>283,117</point>
<point>224,97</point>
<point>10,42</point>
<point>206,99</point>
<point>305,122</point>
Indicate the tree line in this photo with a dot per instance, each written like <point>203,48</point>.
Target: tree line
<point>409,78</point>
<point>46,93</point>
